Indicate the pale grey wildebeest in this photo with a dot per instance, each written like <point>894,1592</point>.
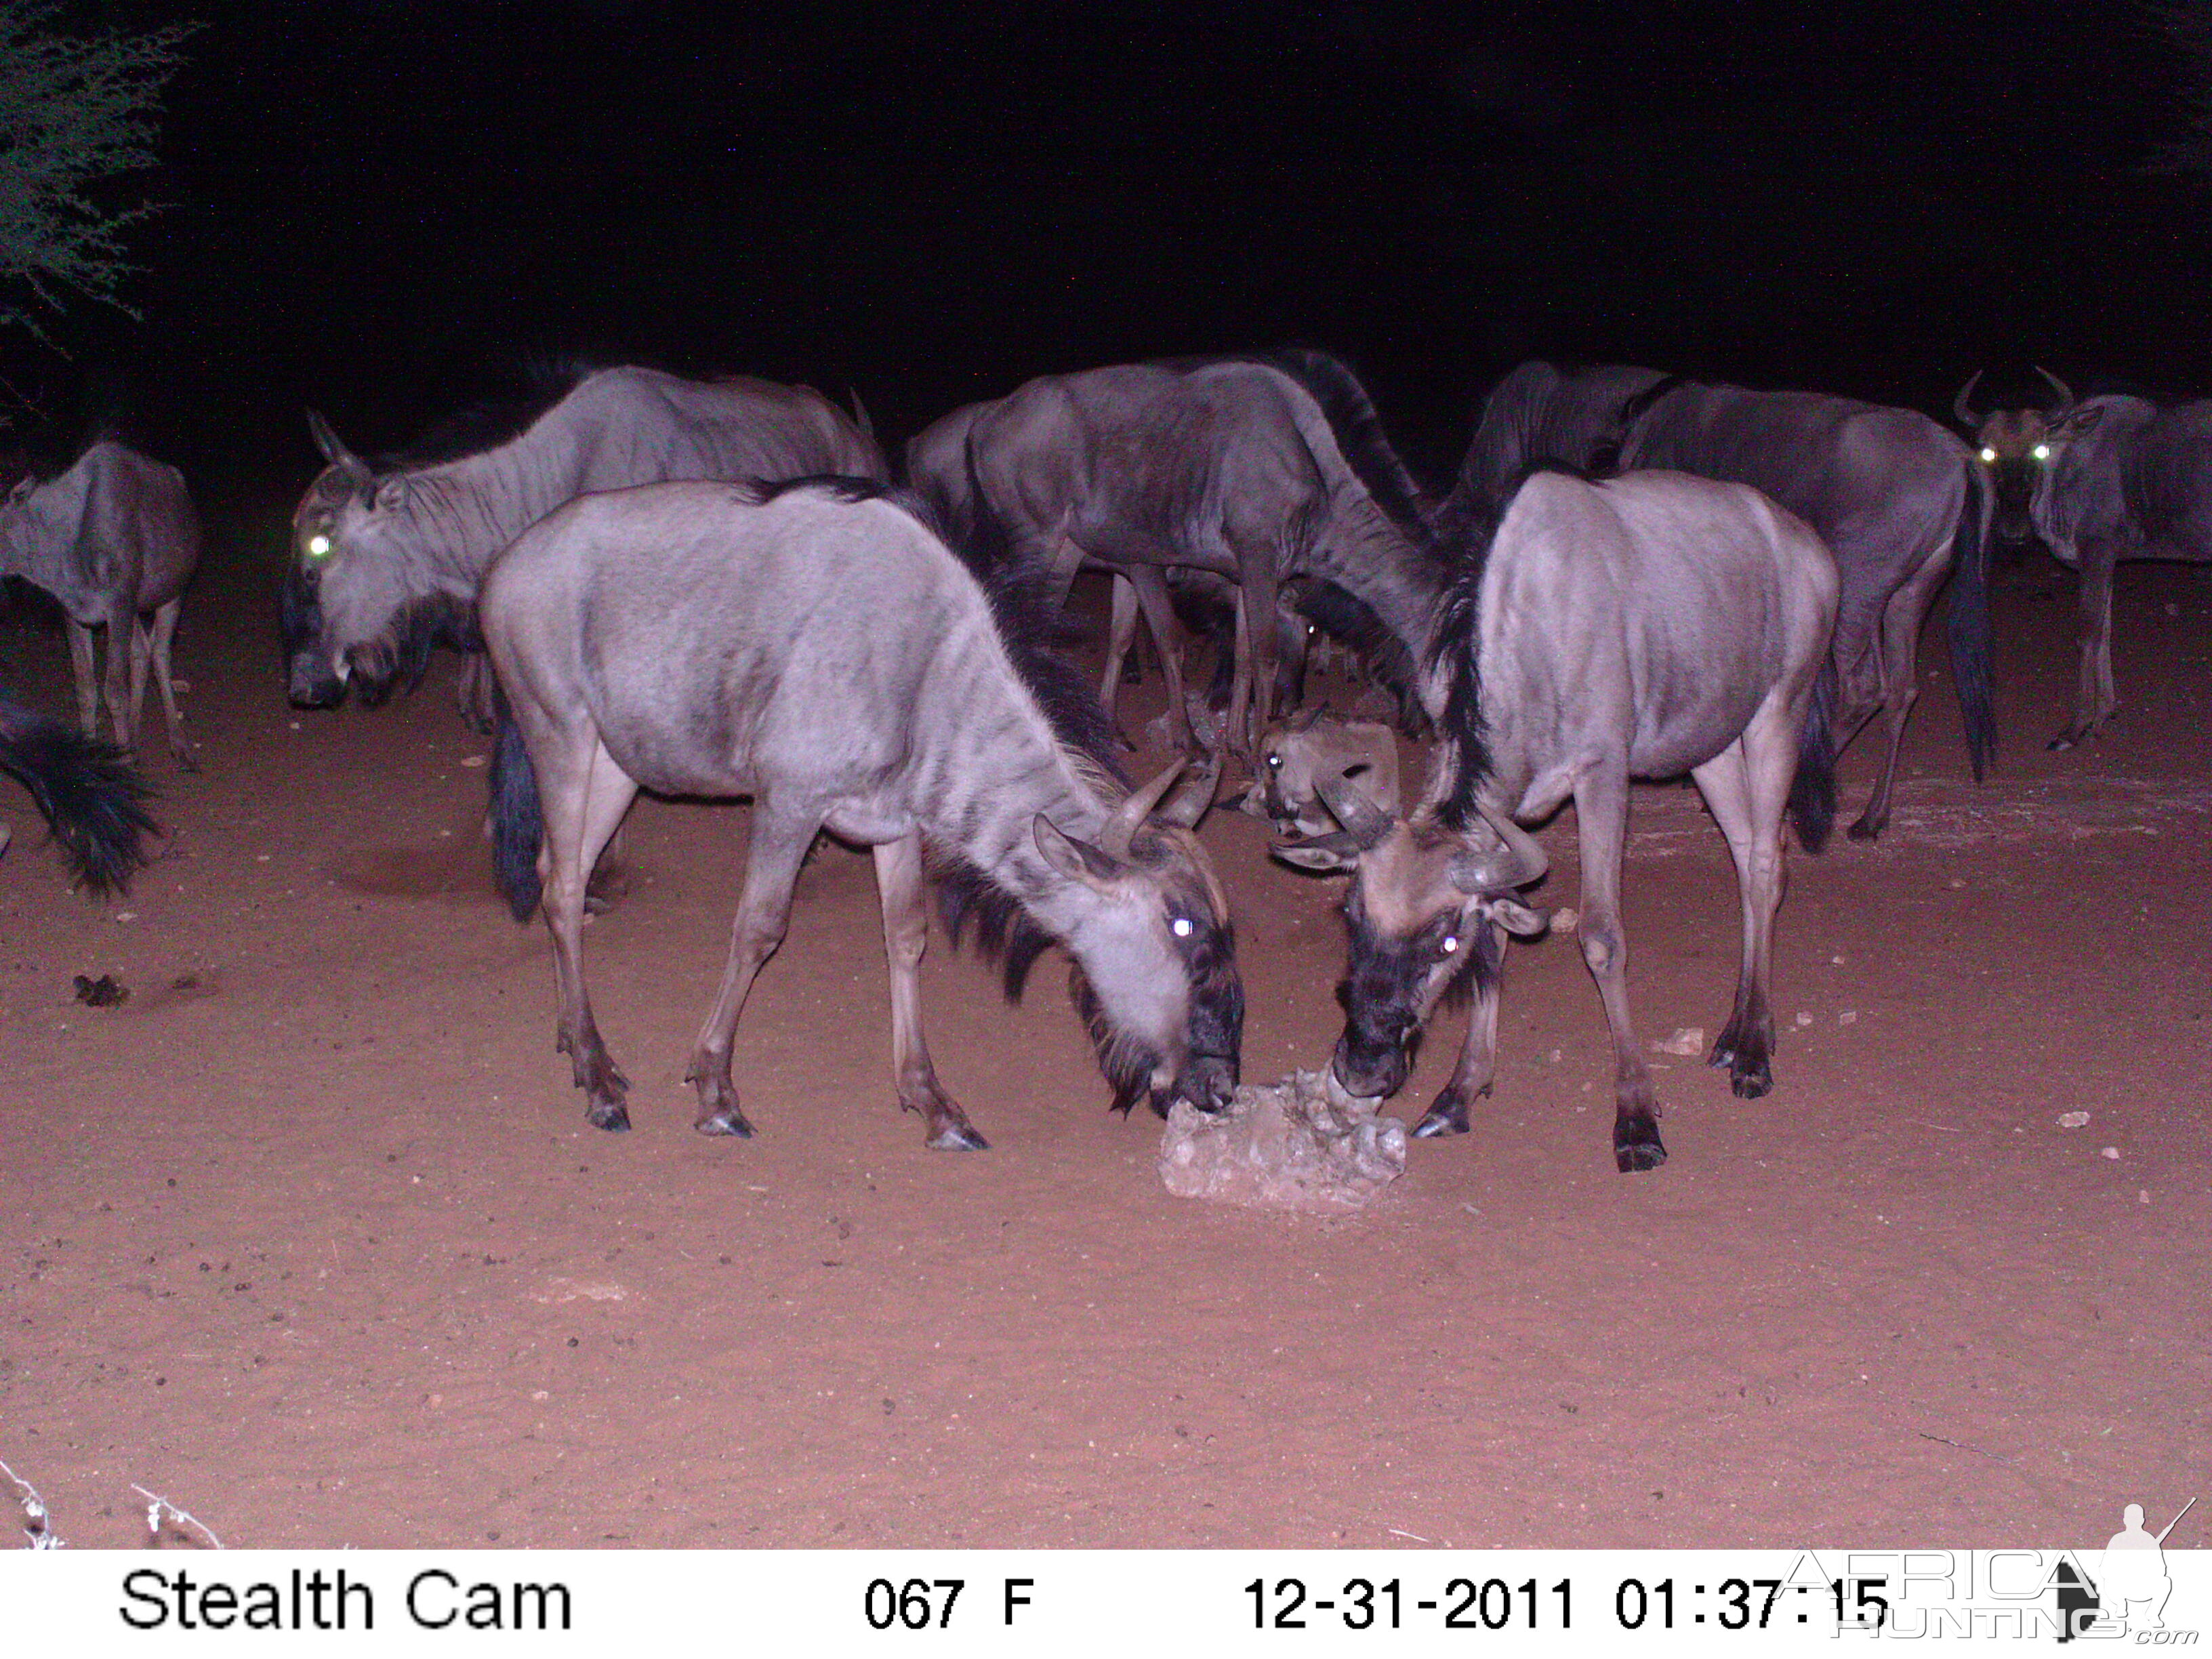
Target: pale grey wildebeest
<point>1267,471</point>
<point>1900,502</point>
<point>386,561</point>
<point>816,646</point>
<point>87,791</point>
<point>2116,478</point>
<point>1644,627</point>
<point>114,540</point>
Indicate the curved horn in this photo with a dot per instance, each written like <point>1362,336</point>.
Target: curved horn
<point>1362,820</point>
<point>1519,860</point>
<point>1114,835</point>
<point>333,446</point>
<point>1963,404</point>
<point>2065,396</point>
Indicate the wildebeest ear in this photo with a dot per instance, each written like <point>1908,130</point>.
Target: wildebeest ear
<point>1333,853</point>
<point>23,488</point>
<point>1193,793</point>
<point>2081,420</point>
<point>387,496</point>
<point>1078,860</point>
<point>1523,919</point>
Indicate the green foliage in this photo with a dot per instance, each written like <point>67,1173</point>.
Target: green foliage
<point>75,111</point>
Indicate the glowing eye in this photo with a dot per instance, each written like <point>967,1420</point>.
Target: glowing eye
<point>2043,452</point>
<point>1451,943</point>
<point>1988,454</point>
<point>1183,927</point>
<point>1274,762</point>
<point>318,547</point>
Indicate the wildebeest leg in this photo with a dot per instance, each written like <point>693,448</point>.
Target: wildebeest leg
<point>900,882</point>
<point>1121,635</point>
<point>2094,696</point>
<point>1259,591</point>
<point>1738,785</point>
<point>115,676</point>
<point>1477,1067</point>
<point>476,692</point>
<point>158,644</point>
<point>582,796</point>
<point>1902,619</point>
<point>1150,583</point>
<point>780,841</point>
<point>1601,817</point>
<point>88,681</point>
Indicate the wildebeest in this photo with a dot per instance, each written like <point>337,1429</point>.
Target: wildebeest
<point>2123,478</point>
<point>1266,470</point>
<point>2011,446</point>
<point>1644,627</point>
<point>817,648</point>
<point>1312,747</point>
<point>114,539</point>
<point>386,561</point>
<point>1900,502</point>
<point>87,791</point>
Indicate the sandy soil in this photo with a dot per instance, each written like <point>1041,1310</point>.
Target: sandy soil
<point>311,1236</point>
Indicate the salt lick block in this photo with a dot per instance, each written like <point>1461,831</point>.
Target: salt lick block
<point>1302,1144</point>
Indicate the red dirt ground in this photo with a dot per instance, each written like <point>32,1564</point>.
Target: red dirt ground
<point>310,1236</point>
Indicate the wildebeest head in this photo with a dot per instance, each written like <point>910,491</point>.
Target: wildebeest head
<point>1418,918</point>
<point>2015,448</point>
<point>357,611</point>
<point>1296,755</point>
<point>1155,976</point>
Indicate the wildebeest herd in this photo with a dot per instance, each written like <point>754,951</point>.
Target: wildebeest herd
<point>717,589</point>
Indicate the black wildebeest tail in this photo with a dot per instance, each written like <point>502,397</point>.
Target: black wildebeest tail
<point>1970,619</point>
<point>1813,791</point>
<point>90,796</point>
<point>518,826</point>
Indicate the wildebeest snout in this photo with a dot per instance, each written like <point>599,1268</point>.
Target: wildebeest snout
<point>1370,1067</point>
<point>312,683</point>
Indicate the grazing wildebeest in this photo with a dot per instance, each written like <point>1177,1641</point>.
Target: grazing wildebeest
<point>1264,469</point>
<point>114,539</point>
<point>2124,479</point>
<point>817,648</point>
<point>86,790</point>
<point>1644,627</point>
<point>1898,501</point>
<point>2012,447</point>
<point>386,562</point>
<point>1313,747</point>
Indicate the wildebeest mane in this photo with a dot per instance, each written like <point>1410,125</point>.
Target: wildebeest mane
<point>1454,647</point>
<point>398,660</point>
<point>491,421</point>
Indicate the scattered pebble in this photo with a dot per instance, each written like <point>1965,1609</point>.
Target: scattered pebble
<point>2072,1120</point>
<point>2142,1195</point>
<point>2172,608</point>
<point>472,761</point>
<point>2108,1152</point>
<point>1956,882</point>
<point>1848,1017</point>
<point>1836,961</point>
<point>1564,920</point>
<point>1557,1054</point>
<point>1683,1040</point>
<point>126,915</point>
<point>1804,1018</point>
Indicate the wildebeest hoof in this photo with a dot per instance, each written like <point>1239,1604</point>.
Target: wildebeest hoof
<point>184,760</point>
<point>958,1137</point>
<point>1447,1117</point>
<point>1865,830</point>
<point>727,1120</point>
<point>1749,1083</point>
<point>1636,1145</point>
<point>607,1114</point>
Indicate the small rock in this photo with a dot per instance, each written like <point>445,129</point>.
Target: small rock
<point>1836,961</point>
<point>1565,921</point>
<point>1557,1054</point>
<point>1848,1017</point>
<point>2108,1152</point>
<point>2172,608</point>
<point>472,761</point>
<point>1683,1040</point>
<point>2072,1120</point>
<point>2142,1195</point>
<point>1302,1144</point>
<point>1804,1018</point>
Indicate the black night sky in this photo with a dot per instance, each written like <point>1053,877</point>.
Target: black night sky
<point>382,209</point>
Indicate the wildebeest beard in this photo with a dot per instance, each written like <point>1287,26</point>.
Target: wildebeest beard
<point>396,659</point>
<point>1381,994</point>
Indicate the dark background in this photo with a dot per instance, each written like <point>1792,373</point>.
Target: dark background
<point>383,208</point>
